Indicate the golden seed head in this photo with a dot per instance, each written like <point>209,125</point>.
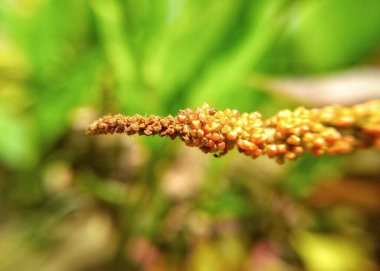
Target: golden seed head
<point>215,137</point>
<point>182,118</point>
<point>232,135</point>
<point>290,156</point>
<point>206,128</point>
<point>298,150</point>
<point>308,137</point>
<point>200,133</point>
<point>226,129</point>
<point>294,140</point>
<point>221,145</point>
<point>271,150</point>
<point>214,126</point>
<point>319,142</point>
<point>281,148</point>
<point>195,124</point>
<point>287,135</point>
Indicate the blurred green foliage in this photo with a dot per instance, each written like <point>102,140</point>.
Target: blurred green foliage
<point>147,203</point>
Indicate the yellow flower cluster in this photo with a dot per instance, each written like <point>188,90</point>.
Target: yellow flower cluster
<point>287,135</point>
<point>220,131</point>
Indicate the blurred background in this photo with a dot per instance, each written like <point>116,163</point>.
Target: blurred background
<point>74,202</point>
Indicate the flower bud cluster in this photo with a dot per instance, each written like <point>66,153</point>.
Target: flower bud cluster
<point>307,130</point>
<point>219,131</point>
<point>287,135</point>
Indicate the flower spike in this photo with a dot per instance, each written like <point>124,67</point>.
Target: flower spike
<point>287,135</point>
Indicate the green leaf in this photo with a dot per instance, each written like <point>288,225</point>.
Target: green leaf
<point>226,73</point>
<point>308,170</point>
<point>53,107</point>
<point>116,42</point>
<point>192,37</point>
<point>17,141</point>
<point>227,203</point>
<point>337,33</point>
<point>48,34</point>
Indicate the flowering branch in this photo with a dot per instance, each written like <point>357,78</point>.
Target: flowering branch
<point>287,135</point>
